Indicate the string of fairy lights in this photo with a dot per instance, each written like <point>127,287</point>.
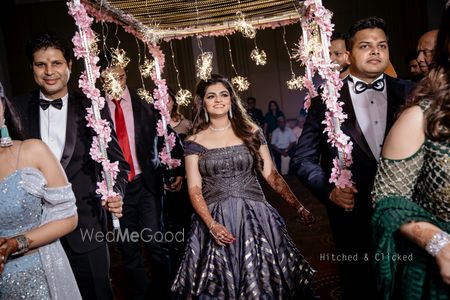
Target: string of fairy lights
<point>144,70</point>
<point>204,61</point>
<point>296,82</point>
<point>240,83</point>
<point>183,97</point>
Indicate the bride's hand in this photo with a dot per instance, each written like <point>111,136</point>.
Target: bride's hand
<point>305,216</point>
<point>221,234</point>
<point>7,246</point>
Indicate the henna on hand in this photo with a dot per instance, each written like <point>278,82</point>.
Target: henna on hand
<point>219,232</point>
<point>277,182</point>
<point>7,247</point>
<point>199,204</point>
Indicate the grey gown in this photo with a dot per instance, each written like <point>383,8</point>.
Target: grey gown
<point>263,262</point>
<point>26,203</point>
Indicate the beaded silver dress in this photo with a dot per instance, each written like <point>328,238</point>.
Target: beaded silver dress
<point>263,262</point>
<point>26,203</point>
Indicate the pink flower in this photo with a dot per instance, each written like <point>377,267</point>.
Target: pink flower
<point>87,85</point>
<point>111,168</point>
<point>312,57</point>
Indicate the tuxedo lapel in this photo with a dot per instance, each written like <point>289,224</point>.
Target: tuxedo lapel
<point>395,98</point>
<point>34,127</point>
<point>71,131</point>
<point>353,128</point>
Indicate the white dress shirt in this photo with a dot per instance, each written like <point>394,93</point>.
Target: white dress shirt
<point>53,124</point>
<point>371,113</point>
<point>282,138</point>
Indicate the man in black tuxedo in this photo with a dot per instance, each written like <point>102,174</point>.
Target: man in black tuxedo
<point>57,116</point>
<point>135,121</point>
<point>371,101</point>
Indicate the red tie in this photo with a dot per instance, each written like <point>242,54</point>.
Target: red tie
<point>121,130</point>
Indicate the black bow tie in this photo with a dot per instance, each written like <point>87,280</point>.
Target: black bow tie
<point>57,103</point>
<point>377,85</point>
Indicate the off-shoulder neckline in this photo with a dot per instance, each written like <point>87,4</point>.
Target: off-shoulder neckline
<point>16,171</point>
<point>217,148</point>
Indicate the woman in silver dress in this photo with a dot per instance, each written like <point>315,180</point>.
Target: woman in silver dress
<point>37,207</point>
<point>238,246</point>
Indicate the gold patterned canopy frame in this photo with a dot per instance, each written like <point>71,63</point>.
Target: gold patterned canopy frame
<point>169,19</point>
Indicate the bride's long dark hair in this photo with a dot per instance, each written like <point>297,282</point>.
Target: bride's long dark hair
<point>241,123</point>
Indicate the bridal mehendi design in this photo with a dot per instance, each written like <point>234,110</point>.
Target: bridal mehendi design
<point>277,182</point>
<point>220,234</point>
<point>199,204</point>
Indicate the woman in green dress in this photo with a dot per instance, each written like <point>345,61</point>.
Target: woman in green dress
<point>411,194</point>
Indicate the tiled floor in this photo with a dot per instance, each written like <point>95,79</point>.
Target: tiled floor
<point>314,243</point>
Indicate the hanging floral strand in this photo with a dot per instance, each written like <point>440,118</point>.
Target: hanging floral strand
<point>161,99</point>
<point>83,41</point>
<point>313,53</point>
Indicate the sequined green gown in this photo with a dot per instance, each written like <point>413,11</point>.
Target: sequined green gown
<point>416,188</point>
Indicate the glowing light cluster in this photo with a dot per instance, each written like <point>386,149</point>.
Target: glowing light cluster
<point>243,26</point>
<point>204,65</point>
<point>183,97</point>
<point>119,58</point>
<point>295,83</point>
<point>145,95</point>
<point>150,35</point>
<point>147,68</point>
<point>111,84</point>
<point>258,56</point>
<point>241,83</point>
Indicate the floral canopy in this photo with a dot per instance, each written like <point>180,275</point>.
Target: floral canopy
<point>181,18</point>
<point>153,21</point>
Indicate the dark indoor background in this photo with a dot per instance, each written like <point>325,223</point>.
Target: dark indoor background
<point>20,19</point>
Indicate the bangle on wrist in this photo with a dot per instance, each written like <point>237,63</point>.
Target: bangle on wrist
<point>22,244</point>
<point>212,224</point>
<point>437,243</point>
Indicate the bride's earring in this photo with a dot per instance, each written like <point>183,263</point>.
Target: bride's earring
<point>206,116</point>
<point>230,113</point>
<point>5,140</point>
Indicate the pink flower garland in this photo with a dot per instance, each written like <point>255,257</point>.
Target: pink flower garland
<point>160,92</point>
<point>161,99</point>
<point>315,13</point>
<point>100,126</point>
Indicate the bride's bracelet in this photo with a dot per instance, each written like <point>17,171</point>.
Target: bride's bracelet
<point>22,244</point>
<point>212,224</point>
<point>437,243</point>
<point>300,209</point>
